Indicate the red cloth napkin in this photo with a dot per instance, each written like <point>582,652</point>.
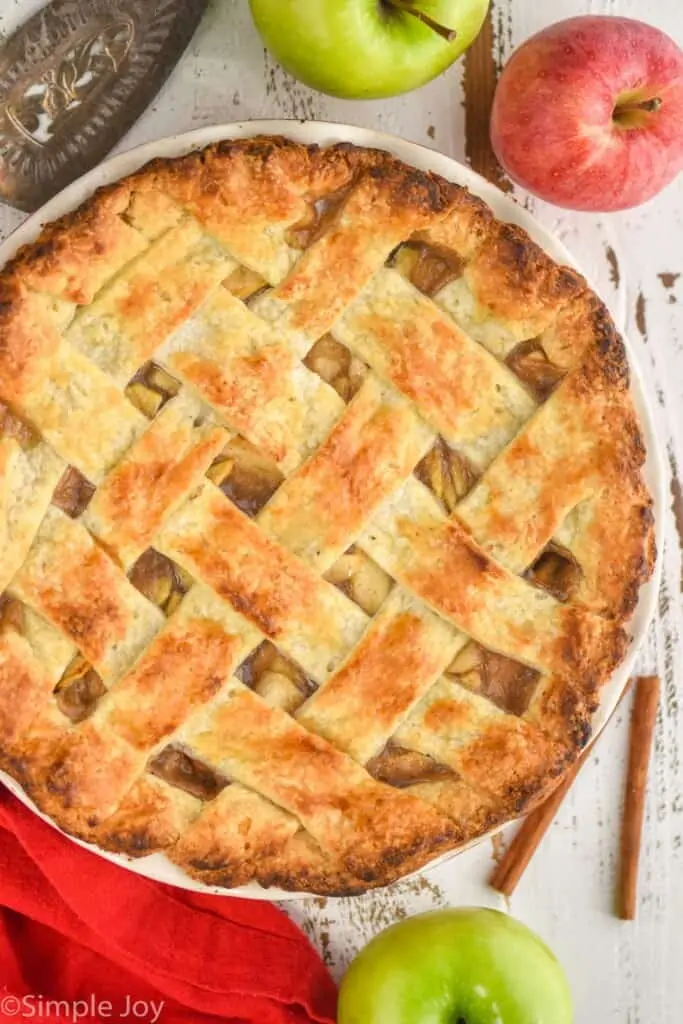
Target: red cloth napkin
<point>110,945</point>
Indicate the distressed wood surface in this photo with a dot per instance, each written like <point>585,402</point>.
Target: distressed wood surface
<point>625,972</point>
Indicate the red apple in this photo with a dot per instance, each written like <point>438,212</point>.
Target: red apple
<point>588,114</point>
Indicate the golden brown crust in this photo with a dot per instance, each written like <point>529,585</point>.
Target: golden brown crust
<point>151,817</point>
<point>278,594</point>
<point>507,357</point>
<point>24,686</point>
<point>362,461</point>
<point>514,278</point>
<point>418,349</point>
<point>76,255</point>
<point>161,469</point>
<point>405,645</point>
<point>70,581</point>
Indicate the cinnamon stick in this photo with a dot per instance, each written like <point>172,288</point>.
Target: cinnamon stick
<point>508,873</point>
<point>643,721</point>
<point>514,863</point>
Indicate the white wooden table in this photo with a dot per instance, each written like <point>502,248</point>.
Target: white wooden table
<point>630,973</point>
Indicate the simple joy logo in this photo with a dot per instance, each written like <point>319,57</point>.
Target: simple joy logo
<point>37,1007</point>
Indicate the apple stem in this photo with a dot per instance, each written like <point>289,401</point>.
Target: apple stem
<point>649,106</point>
<point>448,34</point>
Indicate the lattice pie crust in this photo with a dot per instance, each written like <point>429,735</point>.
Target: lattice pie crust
<point>321,516</point>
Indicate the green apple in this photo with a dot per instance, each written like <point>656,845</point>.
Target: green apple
<point>367,49</point>
<point>466,966</point>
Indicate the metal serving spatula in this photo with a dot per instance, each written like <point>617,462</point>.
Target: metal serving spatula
<point>74,78</point>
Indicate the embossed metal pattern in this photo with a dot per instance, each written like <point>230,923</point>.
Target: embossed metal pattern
<point>74,78</point>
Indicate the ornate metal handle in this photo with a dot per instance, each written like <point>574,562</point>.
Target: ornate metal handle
<point>74,78</point>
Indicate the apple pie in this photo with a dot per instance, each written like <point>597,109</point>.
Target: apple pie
<point>322,516</point>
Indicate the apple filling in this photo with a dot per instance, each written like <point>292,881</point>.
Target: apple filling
<point>161,581</point>
<point>529,361</point>
<point>79,690</point>
<point>11,614</point>
<point>11,426</point>
<point>176,767</point>
<point>337,366</point>
<point>151,388</point>
<point>448,474</point>
<point>506,683</point>
<point>396,766</point>
<point>319,215</point>
<point>429,267</point>
<point>361,579</point>
<point>245,475</point>
<point>245,283</point>
<point>73,493</point>
<point>557,571</point>
<point>277,679</point>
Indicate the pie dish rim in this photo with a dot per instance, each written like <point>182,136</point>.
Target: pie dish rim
<point>157,866</point>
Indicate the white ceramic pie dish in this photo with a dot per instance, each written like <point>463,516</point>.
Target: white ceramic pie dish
<point>157,866</point>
